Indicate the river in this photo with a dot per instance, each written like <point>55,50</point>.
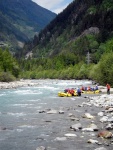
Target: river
<point>20,120</point>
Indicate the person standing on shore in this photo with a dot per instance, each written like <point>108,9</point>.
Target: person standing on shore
<point>108,88</point>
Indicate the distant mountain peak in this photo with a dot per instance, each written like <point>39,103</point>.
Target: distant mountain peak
<point>21,19</point>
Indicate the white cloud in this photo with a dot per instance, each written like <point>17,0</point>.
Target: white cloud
<point>54,5</point>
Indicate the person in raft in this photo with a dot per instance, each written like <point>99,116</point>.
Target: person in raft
<point>79,91</point>
<point>108,88</point>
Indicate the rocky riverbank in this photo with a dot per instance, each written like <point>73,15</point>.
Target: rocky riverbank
<point>83,123</point>
<point>23,83</point>
<point>16,84</point>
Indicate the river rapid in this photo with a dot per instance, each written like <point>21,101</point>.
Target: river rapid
<point>22,127</point>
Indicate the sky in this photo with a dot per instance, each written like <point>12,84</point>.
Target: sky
<point>55,6</point>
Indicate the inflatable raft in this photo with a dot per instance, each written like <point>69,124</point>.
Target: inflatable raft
<point>91,92</point>
<point>63,94</point>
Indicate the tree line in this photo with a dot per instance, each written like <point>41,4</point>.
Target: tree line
<point>9,68</point>
<point>59,67</point>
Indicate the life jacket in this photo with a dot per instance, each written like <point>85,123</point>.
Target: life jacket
<point>78,90</point>
<point>89,88</point>
<point>108,86</point>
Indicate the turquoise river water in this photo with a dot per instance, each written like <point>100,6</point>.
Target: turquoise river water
<point>19,112</point>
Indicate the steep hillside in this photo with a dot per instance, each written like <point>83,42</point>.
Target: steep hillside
<point>20,20</point>
<point>83,26</point>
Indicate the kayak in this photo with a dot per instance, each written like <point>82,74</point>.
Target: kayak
<point>91,92</point>
<point>63,94</point>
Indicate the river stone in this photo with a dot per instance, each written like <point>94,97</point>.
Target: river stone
<point>104,119</point>
<point>61,112</point>
<point>93,126</point>
<point>109,110</point>
<point>88,129</point>
<point>110,120</point>
<point>41,148</point>
<point>71,115</point>
<point>101,148</point>
<point>101,114</point>
<point>70,135</point>
<point>74,118</point>
<point>76,126</point>
<point>88,116</point>
<point>52,112</point>
<point>2,128</point>
<point>105,134</point>
<point>92,141</point>
<point>42,111</point>
<point>109,127</point>
<point>61,139</point>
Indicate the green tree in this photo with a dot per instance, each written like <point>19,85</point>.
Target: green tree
<point>106,68</point>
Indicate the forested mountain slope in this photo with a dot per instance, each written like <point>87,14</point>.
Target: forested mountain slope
<point>20,20</point>
<point>85,25</point>
<point>77,44</point>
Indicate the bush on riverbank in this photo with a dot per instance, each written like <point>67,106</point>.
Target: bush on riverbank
<point>6,77</point>
<point>101,72</point>
<point>9,68</point>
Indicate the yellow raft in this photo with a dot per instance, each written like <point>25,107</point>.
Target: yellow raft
<point>91,92</point>
<point>63,94</point>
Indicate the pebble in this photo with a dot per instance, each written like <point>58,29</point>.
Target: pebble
<point>41,148</point>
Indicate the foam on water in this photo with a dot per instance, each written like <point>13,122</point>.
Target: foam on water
<point>22,105</point>
<point>27,126</point>
<point>16,114</point>
<point>27,92</point>
<point>19,130</point>
<point>34,100</point>
<point>2,95</point>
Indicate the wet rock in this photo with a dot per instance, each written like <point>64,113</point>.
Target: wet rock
<point>71,115</point>
<point>110,120</point>
<point>79,105</point>
<point>70,135</point>
<point>61,112</point>
<point>42,111</point>
<point>92,141</point>
<point>93,126</point>
<point>105,134</point>
<point>41,148</point>
<point>104,119</point>
<point>88,129</point>
<point>101,114</point>
<point>76,127</point>
<point>101,148</point>
<point>109,110</point>
<point>48,121</point>
<point>111,141</point>
<point>39,138</point>
<point>74,118</point>
<point>52,112</point>
<point>88,116</point>
<point>3,128</point>
<point>109,127</point>
<point>106,144</point>
<point>60,139</point>
<point>99,143</point>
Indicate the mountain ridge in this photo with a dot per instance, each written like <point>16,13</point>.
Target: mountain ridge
<point>79,16</point>
<point>22,19</point>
